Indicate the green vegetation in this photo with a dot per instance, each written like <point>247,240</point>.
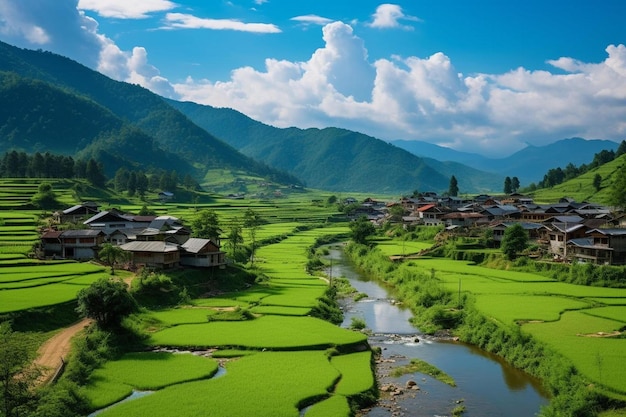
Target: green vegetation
<point>418,365</point>
<point>568,335</point>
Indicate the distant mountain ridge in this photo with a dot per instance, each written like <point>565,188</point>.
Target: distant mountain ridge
<point>336,159</point>
<point>529,164</point>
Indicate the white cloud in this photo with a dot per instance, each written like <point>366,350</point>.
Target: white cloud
<point>426,98</point>
<point>389,16</point>
<point>124,9</point>
<point>312,19</point>
<point>187,21</point>
<point>60,27</point>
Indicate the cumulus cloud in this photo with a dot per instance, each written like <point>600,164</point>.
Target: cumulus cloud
<point>427,98</point>
<point>421,98</point>
<point>124,9</point>
<point>389,16</point>
<point>187,21</point>
<point>60,27</point>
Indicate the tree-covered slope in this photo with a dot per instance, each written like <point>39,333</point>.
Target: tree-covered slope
<point>39,117</point>
<point>335,159</point>
<point>143,109</point>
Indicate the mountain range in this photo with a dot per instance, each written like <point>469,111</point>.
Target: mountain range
<point>51,103</point>
<point>528,165</point>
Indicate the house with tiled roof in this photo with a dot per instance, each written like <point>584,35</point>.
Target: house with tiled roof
<point>72,244</point>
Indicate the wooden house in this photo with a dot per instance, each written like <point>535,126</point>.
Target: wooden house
<point>201,253</point>
<point>157,254</point>
<point>72,244</point>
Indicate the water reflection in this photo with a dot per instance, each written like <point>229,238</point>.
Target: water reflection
<point>486,385</point>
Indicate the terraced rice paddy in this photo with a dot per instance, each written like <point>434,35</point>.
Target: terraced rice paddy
<point>585,324</point>
<point>286,366</point>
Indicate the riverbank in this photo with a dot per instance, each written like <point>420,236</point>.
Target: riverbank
<point>487,386</point>
<point>436,306</point>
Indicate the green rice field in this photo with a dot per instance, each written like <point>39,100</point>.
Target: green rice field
<point>583,323</point>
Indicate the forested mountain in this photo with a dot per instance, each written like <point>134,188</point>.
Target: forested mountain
<point>149,124</point>
<point>336,159</point>
<point>528,164</point>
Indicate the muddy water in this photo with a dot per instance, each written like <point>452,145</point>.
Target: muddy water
<point>486,385</point>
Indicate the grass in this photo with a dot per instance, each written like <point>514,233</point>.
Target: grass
<point>418,365</point>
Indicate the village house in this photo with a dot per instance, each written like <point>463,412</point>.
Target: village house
<point>202,253</point>
<point>72,244</point>
<point>430,214</point>
<point>535,231</point>
<point>76,213</point>
<point>156,255</point>
<point>462,219</point>
<point>600,246</point>
<point>111,220</point>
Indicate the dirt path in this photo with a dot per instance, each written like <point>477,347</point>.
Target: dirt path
<point>54,351</point>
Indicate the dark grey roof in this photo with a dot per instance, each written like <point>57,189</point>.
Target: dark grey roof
<point>82,233</point>
<point>195,244</point>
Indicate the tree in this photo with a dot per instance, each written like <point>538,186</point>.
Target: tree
<point>235,240</point>
<point>515,240</point>
<point>515,184</point>
<point>121,179</point>
<point>45,197</point>
<point>453,189</point>
<point>361,229</point>
<point>94,173</point>
<point>251,221</point>
<point>206,225</point>
<point>17,377</point>
<point>507,186</point>
<point>107,301</point>
<point>597,181</point>
<point>617,195</point>
<point>110,254</point>
<point>621,150</point>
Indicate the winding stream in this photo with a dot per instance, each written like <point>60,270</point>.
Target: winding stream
<point>486,385</point>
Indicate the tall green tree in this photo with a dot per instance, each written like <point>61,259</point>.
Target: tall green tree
<point>206,225</point>
<point>597,181</point>
<point>235,240</point>
<point>361,229</point>
<point>252,221</point>
<point>111,254</point>
<point>45,197</point>
<point>107,301</point>
<point>515,240</point>
<point>515,184</point>
<point>508,189</point>
<point>453,189</point>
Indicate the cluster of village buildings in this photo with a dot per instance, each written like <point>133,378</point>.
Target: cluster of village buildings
<point>567,230</point>
<point>158,242</point>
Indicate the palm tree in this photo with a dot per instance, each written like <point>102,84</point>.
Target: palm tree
<point>110,254</point>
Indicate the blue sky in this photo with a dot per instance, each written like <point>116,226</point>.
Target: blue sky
<point>486,76</point>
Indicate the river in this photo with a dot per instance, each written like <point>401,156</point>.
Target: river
<point>486,385</point>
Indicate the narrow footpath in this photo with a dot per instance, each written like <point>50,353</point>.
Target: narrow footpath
<point>54,351</point>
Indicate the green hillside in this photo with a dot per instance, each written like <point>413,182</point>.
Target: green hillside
<point>581,188</point>
<point>336,159</point>
<point>136,106</point>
